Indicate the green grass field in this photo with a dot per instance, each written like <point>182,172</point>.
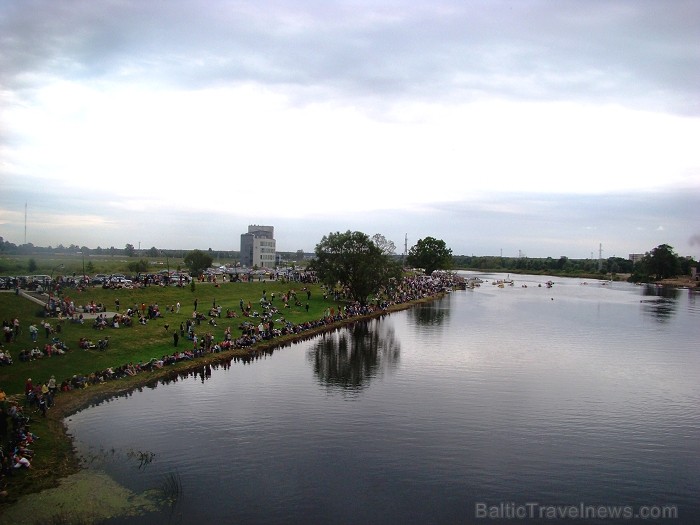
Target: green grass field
<point>140,342</point>
<point>54,456</point>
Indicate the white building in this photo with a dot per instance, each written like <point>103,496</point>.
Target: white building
<point>258,247</point>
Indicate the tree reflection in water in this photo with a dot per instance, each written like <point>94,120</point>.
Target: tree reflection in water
<point>660,302</point>
<point>348,358</point>
<point>432,313</point>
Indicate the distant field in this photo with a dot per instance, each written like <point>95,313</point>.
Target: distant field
<point>72,264</point>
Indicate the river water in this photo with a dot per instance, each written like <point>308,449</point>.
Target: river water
<point>492,405</point>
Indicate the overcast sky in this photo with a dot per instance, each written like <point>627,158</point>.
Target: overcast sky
<point>540,128</point>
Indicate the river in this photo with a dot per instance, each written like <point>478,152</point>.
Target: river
<point>494,405</point>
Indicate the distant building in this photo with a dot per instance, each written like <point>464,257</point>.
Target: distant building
<point>258,247</point>
<point>636,257</point>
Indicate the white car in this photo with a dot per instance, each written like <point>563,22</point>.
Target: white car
<point>120,282</point>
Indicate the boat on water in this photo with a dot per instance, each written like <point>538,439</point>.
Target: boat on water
<point>502,282</point>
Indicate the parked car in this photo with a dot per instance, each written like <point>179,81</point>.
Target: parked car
<point>119,282</point>
<point>99,278</point>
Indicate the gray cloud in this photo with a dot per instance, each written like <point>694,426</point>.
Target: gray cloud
<point>641,53</point>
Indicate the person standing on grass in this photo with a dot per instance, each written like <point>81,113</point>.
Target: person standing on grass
<point>46,394</point>
<point>28,387</point>
<point>52,385</point>
<point>15,327</point>
<point>33,332</point>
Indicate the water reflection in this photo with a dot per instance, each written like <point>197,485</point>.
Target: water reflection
<point>430,314</point>
<point>660,302</point>
<point>201,372</point>
<point>558,404</point>
<point>349,358</point>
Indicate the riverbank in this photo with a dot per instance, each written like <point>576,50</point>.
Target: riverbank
<point>57,459</point>
<point>680,282</point>
<point>685,281</point>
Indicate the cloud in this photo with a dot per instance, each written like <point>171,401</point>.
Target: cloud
<point>494,125</point>
<point>644,54</point>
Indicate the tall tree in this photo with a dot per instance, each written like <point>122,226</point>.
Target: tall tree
<point>430,254</point>
<point>385,245</point>
<point>197,261</point>
<point>661,263</point>
<point>129,250</point>
<point>354,262</point>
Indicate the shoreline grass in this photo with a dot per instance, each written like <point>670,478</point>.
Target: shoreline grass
<point>55,457</point>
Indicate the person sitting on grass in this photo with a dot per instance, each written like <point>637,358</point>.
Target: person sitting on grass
<point>85,343</point>
<point>78,381</point>
<point>19,461</point>
<point>5,357</point>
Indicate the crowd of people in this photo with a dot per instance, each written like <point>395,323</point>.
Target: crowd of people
<point>255,327</point>
<point>14,429</point>
<point>16,438</point>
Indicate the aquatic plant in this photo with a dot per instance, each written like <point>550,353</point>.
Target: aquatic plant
<point>172,486</point>
<point>144,457</point>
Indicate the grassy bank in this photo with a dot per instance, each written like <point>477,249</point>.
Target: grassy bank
<point>55,458</point>
<point>141,342</point>
<point>53,452</point>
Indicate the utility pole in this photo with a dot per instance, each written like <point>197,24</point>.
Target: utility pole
<point>600,256</point>
<point>405,249</point>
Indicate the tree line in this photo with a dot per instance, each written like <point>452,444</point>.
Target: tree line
<point>659,263</point>
<point>363,263</point>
